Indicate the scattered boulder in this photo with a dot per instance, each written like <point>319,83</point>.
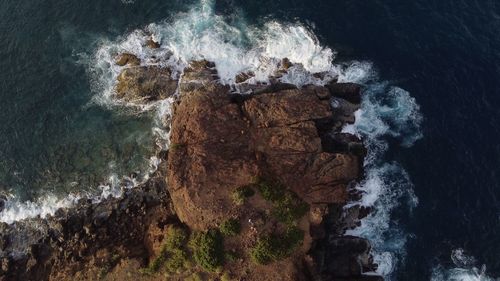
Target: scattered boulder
<point>127,59</point>
<point>145,84</point>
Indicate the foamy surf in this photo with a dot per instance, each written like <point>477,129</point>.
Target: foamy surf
<point>386,112</point>
<point>465,269</point>
<point>238,47</point>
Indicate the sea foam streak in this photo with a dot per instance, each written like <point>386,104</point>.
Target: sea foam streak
<point>236,47</point>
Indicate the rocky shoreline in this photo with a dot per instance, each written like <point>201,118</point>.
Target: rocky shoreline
<point>272,161</point>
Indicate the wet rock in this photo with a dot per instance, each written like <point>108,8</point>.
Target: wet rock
<point>343,142</point>
<point>199,75</point>
<point>3,202</point>
<point>4,242</point>
<point>152,44</point>
<point>351,92</point>
<point>127,59</point>
<point>346,257</point>
<point>285,64</point>
<point>145,84</point>
<point>273,88</point>
<point>244,76</point>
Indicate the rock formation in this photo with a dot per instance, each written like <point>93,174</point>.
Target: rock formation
<point>256,182</point>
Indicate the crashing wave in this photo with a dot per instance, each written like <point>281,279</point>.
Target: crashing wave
<point>465,270</point>
<point>385,112</point>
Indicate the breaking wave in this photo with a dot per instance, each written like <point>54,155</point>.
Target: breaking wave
<point>235,47</point>
<point>465,269</point>
<point>386,112</point>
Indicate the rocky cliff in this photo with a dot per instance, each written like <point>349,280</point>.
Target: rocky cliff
<point>253,187</point>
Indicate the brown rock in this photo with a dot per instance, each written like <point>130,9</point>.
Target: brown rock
<point>285,64</point>
<point>222,143</point>
<point>244,76</point>
<point>285,107</point>
<point>144,84</point>
<point>150,43</point>
<point>127,59</point>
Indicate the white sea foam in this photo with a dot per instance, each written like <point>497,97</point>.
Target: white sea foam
<point>16,210</point>
<point>386,112</point>
<point>201,34</point>
<point>465,269</point>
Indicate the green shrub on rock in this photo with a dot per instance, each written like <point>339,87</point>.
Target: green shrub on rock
<point>241,193</point>
<point>273,247</point>
<point>288,207</point>
<point>208,249</point>
<point>225,277</point>
<point>270,191</point>
<point>230,227</point>
<point>172,253</point>
<point>175,238</point>
<point>194,277</point>
<point>176,260</point>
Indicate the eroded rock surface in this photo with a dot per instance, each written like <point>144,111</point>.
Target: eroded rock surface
<point>89,241</point>
<point>142,84</point>
<point>223,141</point>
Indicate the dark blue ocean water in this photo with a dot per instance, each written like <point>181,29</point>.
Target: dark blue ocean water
<point>446,53</point>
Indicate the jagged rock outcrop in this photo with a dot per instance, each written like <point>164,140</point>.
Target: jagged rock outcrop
<point>127,59</point>
<point>223,141</point>
<point>142,84</point>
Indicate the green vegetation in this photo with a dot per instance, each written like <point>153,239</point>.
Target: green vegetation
<point>270,191</point>
<point>288,207</point>
<point>172,253</point>
<point>230,256</point>
<point>174,146</point>
<point>230,227</point>
<point>225,277</point>
<point>241,193</point>
<point>208,249</point>
<point>176,261</point>
<point>175,238</point>
<point>194,277</point>
<point>270,248</point>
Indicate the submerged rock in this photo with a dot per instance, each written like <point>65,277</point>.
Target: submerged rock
<point>145,84</point>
